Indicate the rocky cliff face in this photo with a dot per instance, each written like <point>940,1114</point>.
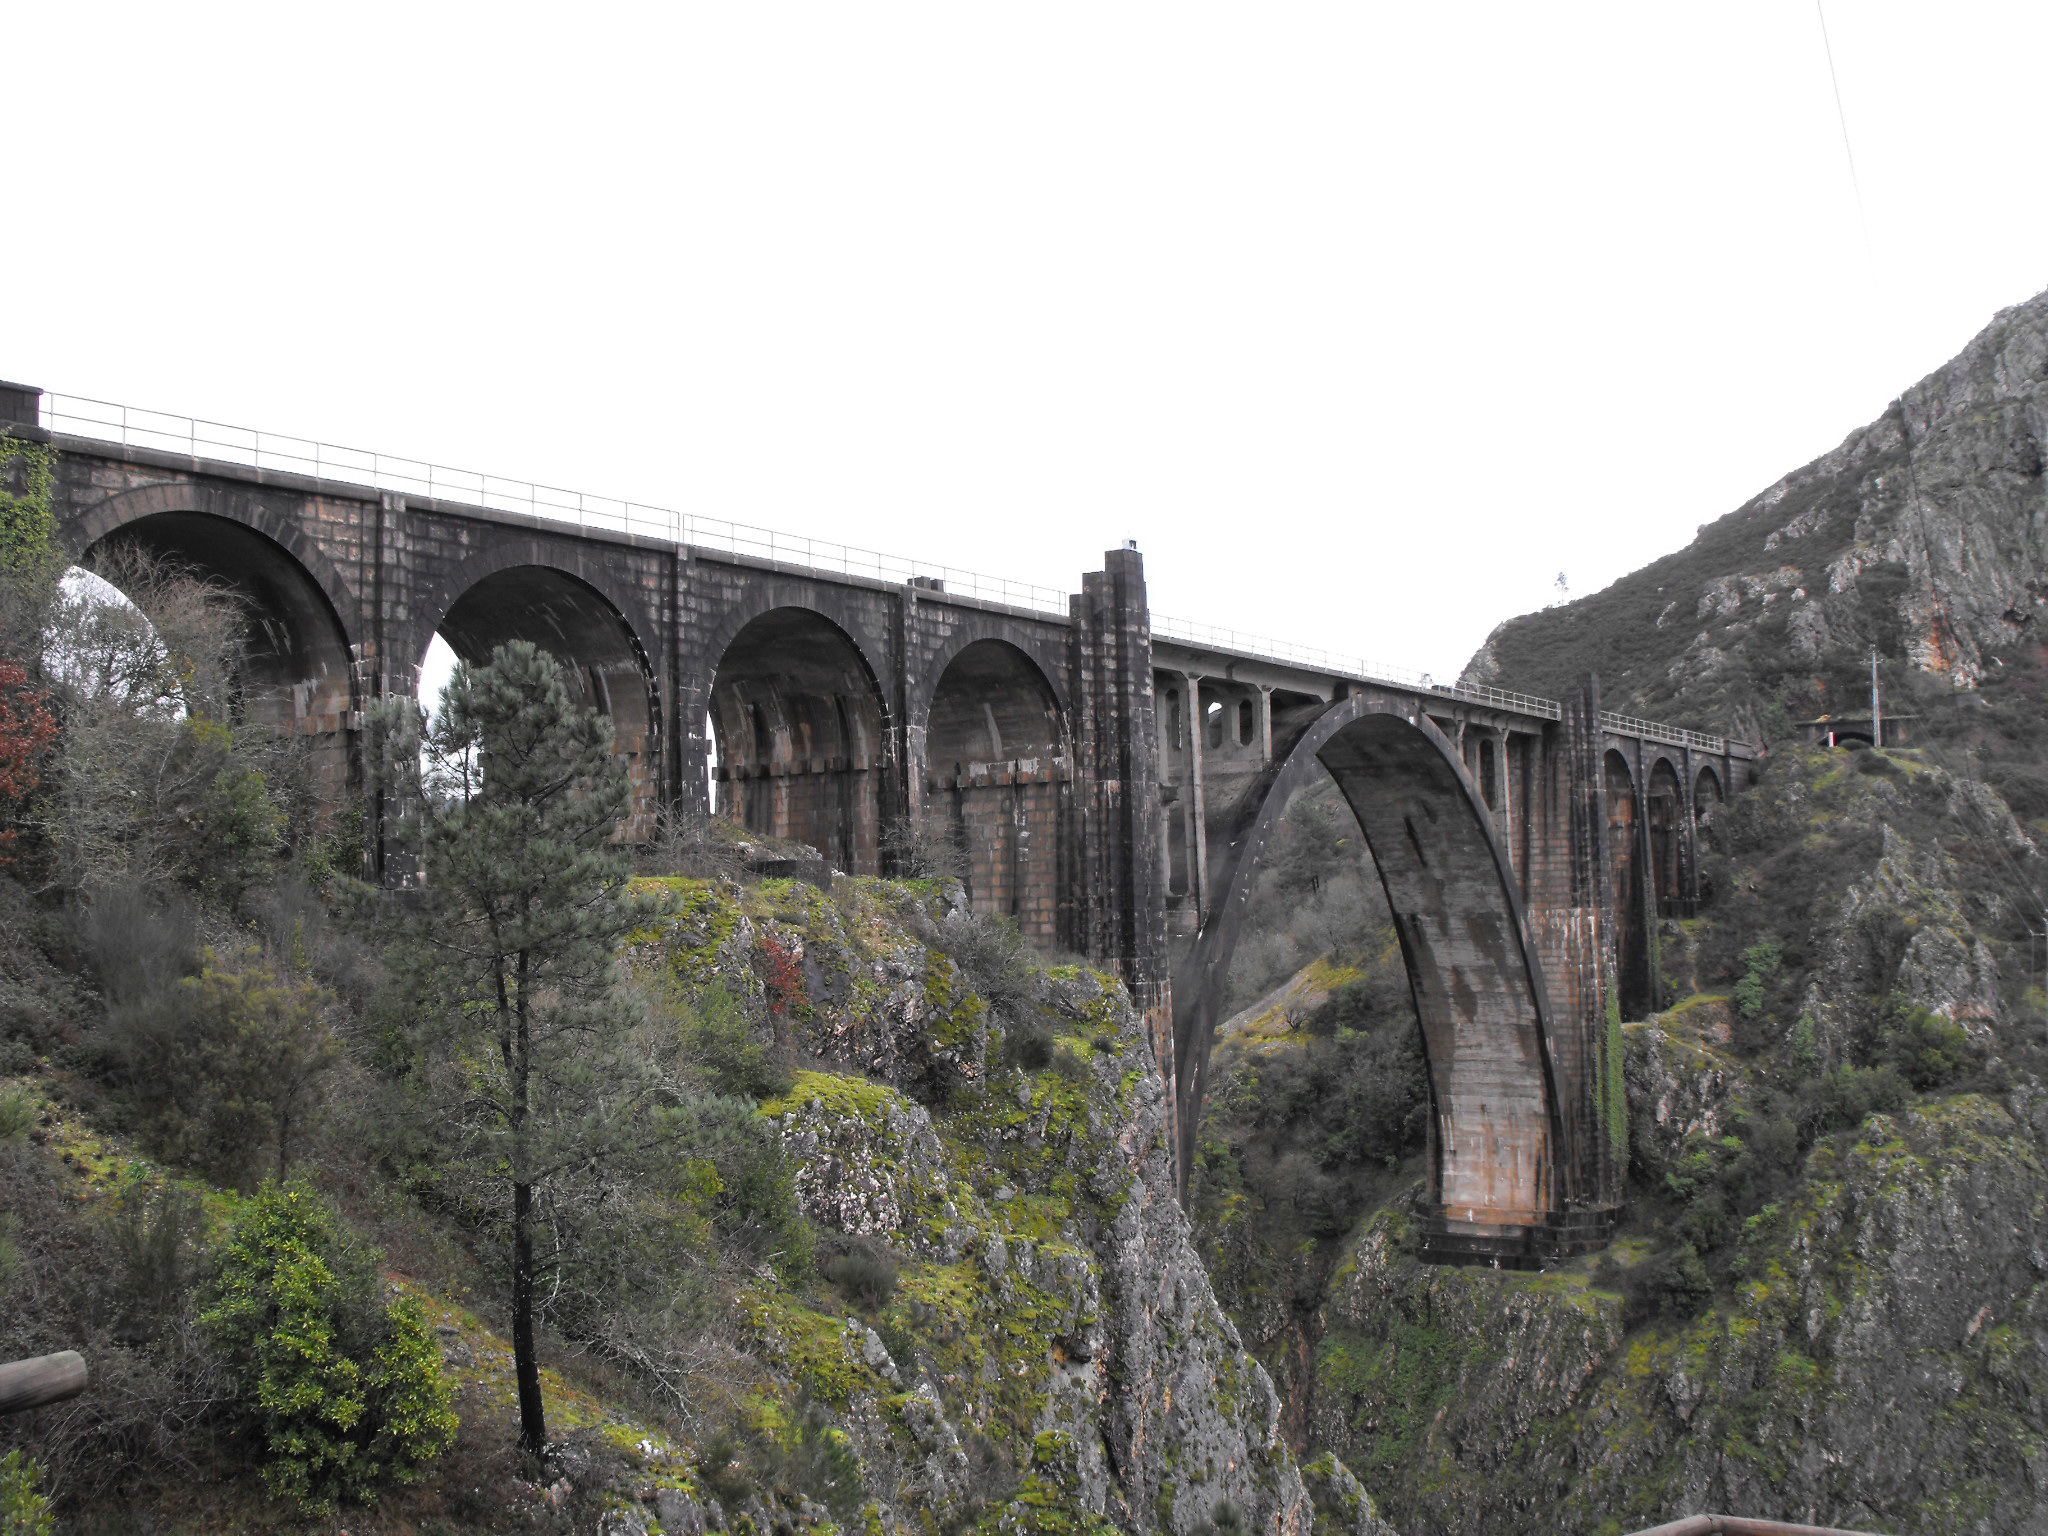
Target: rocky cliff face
<point>1052,1357</point>
<point>1924,534</point>
<point>1826,1303</point>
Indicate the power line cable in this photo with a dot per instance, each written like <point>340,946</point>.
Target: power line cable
<point>1842,117</point>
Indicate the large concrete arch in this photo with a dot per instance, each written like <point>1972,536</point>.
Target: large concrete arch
<point>997,760</point>
<point>503,595</point>
<point>1498,1143</point>
<point>801,729</point>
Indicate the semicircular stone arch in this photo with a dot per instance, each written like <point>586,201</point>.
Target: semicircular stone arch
<point>766,597</point>
<point>1628,884</point>
<point>297,671</point>
<point>1664,806</point>
<point>996,771</point>
<point>800,737</point>
<point>1045,657</point>
<point>502,597</point>
<point>1502,1157</point>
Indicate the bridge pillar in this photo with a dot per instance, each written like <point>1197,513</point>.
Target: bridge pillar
<point>1116,896</point>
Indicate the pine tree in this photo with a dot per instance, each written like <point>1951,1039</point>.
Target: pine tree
<point>509,951</point>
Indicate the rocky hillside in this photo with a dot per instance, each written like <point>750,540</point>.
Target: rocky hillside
<point>1050,1355</point>
<point>918,1269</point>
<point>1924,534</point>
<point>1826,1303</point>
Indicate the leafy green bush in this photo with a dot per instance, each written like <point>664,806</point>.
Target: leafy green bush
<point>342,1390</point>
<point>721,1042</point>
<point>1760,962</point>
<point>23,1511</point>
<point>223,1066</point>
<point>1927,1050</point>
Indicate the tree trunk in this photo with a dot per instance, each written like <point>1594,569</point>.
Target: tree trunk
<point>533,1433</point>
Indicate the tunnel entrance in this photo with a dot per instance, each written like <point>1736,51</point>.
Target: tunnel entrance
<point>996,775</point>
<point>582,629</point>
<point>797,720</point>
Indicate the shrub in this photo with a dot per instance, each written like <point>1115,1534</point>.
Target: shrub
<point>718,1039</point>
<point>864,1271</point>
<point>23,1511</point>
<point>19,1111</point>
<point>1760,962</point>
<point>1673,1283</point>
<point>804,1456</point>
<point>1028,1047</point>
<point>224,1064</point>
<point>342,1391</point>
<point>924,848</point>
<point>1927,1050</point>
<point>996,959</point>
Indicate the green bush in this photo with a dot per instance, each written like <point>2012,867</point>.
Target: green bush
<point>23,1511</point>
<point>342,1390</point>
<point>1926,1049</point>
<point>1760,962</point>
<point>223,1067</point>
<point>863,1270</point>
<point>720,1041</point>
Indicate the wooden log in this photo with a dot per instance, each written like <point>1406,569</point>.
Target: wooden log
<point>45,1379</point>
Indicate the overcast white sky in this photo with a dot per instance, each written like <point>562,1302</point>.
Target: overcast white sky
<point>1364,320</point>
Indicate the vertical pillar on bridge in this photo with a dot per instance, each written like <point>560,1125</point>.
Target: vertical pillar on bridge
<point>1116,892</point>
<point>385,670</point>
<point>1571,910</point>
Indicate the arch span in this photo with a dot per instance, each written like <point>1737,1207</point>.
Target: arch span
<point>996,756</point>
<point>1627,884</point>
<point>296,671</point>
<point>798,720</point>
<point>1498,1142</point>
<point>1667,829</point>
<point>584,629</point>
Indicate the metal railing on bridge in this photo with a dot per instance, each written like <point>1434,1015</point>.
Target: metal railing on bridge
<point>1650,730</point>
<point>132,427</point>
<point>1190,632</point>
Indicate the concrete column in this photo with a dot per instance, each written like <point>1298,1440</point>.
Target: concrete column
<point>1265,725</point>
<point>1198,809</point>
<point>691,752</point>
<point>1505,783</point>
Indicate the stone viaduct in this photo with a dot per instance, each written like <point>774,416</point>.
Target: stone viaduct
<point>1114,787</point>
